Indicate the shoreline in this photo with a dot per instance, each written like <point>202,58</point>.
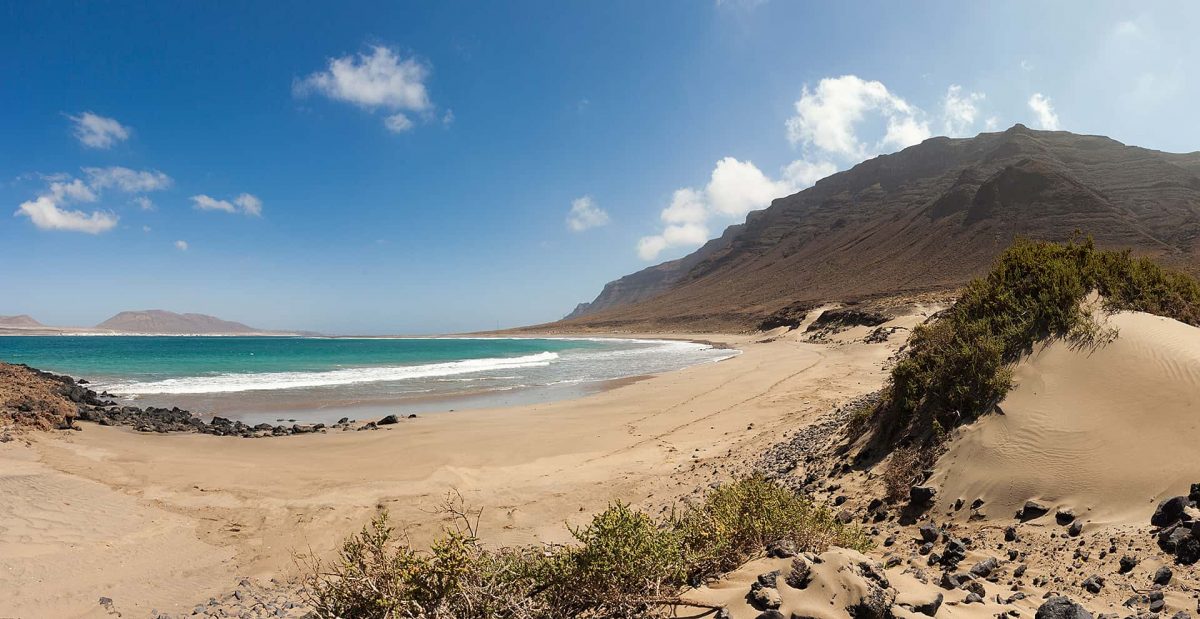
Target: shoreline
<point>378,396</point>
<point>242,508</point>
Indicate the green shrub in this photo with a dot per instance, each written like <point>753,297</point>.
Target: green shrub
<point>624,563</point>
<point>737,520</point>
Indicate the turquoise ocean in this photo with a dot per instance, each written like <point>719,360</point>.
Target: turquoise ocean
<point>315,378</point>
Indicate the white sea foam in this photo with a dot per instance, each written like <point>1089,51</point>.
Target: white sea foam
<point>230,383</point>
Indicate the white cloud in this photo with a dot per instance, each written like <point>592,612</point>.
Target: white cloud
<point>245,203</point>
<point>959,111</point>
<point>827,118</point>
<point>802,173</point>
<point>250,204</point>
<point>397,123</point>
<point>734,189</point>
<point>992,123</point>
<point>206,203</point>
<point>649,247</point>
<point>448,118</point>
<point>73,190</point>
<point>181,245</point>
<point>46,213</point>
<point>586,214</point>
<point>97,131</point>
<point>146,229</point>
<point>132,181</point>
<point>1044,111</point>
<point>738,187</point>
<point>380,79</point>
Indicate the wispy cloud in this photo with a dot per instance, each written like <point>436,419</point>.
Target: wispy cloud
<point>586,214</point>
<point>1043,110</point>
<point>96,131</point>
<point>246,204</point>
<point>125,179</point>
<point>960,110</point>
<point>379,79</point>
<point>181,245</point>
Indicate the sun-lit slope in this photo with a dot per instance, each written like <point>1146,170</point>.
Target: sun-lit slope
<point>1108,432</point>
<point>931,216</point>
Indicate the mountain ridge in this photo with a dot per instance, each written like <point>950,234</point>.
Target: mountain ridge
<point>143,322</point>
<point>925,218</point>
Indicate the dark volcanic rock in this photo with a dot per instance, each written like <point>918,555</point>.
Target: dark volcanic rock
<point>929,608</point>
<point>984,568</point>
<point>1061,607</point>
<point>921,495</point>
<point>1032,510</point>
<point>1169,511</point>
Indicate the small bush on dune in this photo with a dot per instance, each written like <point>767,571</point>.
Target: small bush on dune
<point>625,563</point>
<point>737,520</point>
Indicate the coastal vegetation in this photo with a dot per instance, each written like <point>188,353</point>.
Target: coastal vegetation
<point>959,366</point>
<point>624,563</point>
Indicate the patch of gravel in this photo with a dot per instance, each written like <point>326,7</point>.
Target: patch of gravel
<point>250,600</point>
<point>809,445</point>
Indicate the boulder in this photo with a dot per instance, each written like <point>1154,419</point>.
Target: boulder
<point>389,420</point>
<point>1061,607</point>
<point>984,568</point>
<point>1169,511</point>
<point>1163,575</point>
<point>1187,551</point>
<point>1032,510</point>
<point>921,495</point>
<point>931,607</point>
<point>953,553</point>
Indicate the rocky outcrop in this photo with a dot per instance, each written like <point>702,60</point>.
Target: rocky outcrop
<point>1178,526</point>
<point>31,398</point>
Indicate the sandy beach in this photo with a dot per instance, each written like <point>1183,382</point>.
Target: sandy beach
<point>161,522</point>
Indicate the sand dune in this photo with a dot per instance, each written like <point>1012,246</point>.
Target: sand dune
<point>1108,432</point>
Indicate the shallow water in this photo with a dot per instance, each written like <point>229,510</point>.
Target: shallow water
<point>321,379</point>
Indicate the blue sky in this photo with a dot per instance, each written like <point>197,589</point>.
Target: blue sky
<point>437,167</point>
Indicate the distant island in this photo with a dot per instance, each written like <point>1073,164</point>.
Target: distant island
<point>142,322</point>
